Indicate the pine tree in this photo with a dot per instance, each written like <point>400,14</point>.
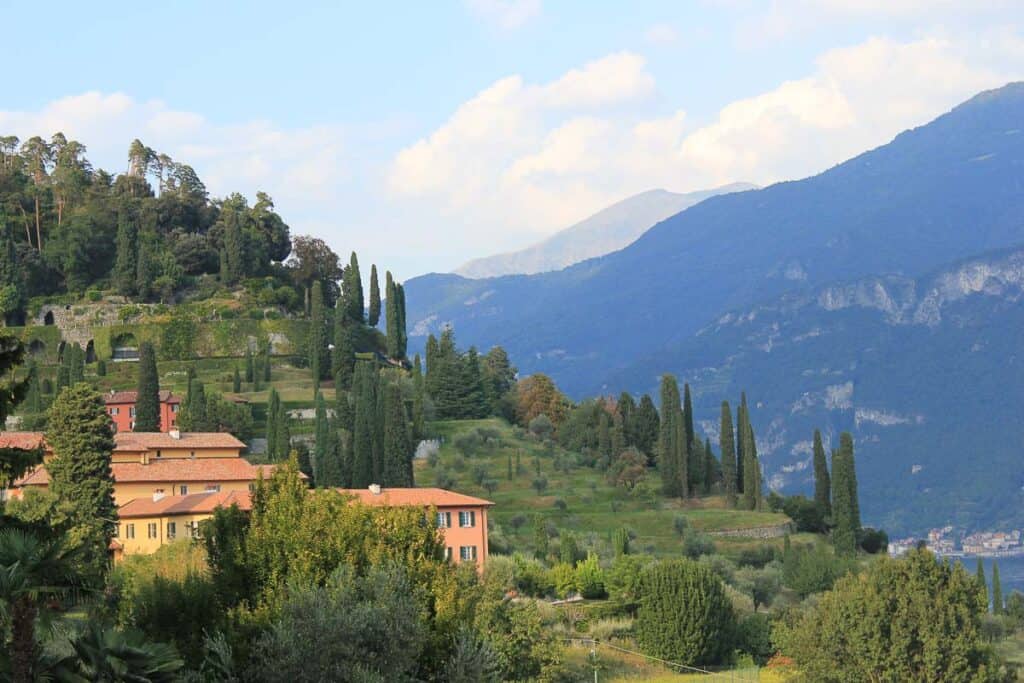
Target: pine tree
<point>668,437</point>
<point>473,401</point>
<point>374,313</point>
<point>397,465</point>
<point>997,590</point>
<point>273,407</point>
<point>236,381</point>
<point>317,336</point>
<point>125,266</point>
<point>844,495</point>
<point>352,290</point>
<point>822,481</point>
<point>147,401</point>
<point>727,443</point>
<point>81,439</point>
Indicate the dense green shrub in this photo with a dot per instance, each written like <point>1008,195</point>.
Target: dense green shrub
<point>685,615</point>
<point>590,578</point>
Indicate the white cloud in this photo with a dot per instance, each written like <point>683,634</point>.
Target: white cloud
<point>527,159</point>
<point>506,14</point>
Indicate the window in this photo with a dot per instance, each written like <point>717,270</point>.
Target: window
<point>467,553</point>
<point>115,411</point>
<point>448,554</point>
<point>151,530</point>
<point>131,425</point>
<point>174,407</point>
<point>159,454</point>
<point>467,519</point>
<point>212,488</point>
<point>172,530</point>
<point>131,412</point>
<point>117,530</point>
<point>129,531</point>
<point>444,520</point>
<point>183,490</point>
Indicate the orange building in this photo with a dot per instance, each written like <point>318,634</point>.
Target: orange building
<point>461,518</point>
<point>121,409</point>
<point>148,464</point>
<point>145,524</point>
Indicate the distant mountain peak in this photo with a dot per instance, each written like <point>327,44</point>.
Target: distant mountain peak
<point>608,230</point>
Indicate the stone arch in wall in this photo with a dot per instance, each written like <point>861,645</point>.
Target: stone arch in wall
<point>125,347</point>
<point>37,348</point>
<point>90,352</point>
<point>60,351</point>
<point>48,318</point>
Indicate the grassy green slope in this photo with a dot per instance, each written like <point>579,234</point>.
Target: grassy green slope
<point>592,505</point>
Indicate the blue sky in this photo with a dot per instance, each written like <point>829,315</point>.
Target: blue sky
<point>423,134</point>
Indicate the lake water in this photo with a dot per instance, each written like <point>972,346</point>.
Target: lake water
<point>1011,572</point>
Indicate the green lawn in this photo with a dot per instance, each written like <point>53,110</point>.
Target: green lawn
<point>591,504</point>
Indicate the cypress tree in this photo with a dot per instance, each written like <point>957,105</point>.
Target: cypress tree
<point>750,475</point>
<point>364,425</point>
<point>231,269</point>
<point>33,402</point>
<point>627,410</point>
<point>727,444</point>
<point>236,381</point>
<point>997,590</point>
<point>266,365</point>
<point>741,421</point>
<point>125,267</point>
<point>668,436</point>
<point>374,311</point>
<point>273,407</point>
<point>648,426</point>
<point>331,469</point>
<point>81,439</point>
<point>682,457</point>
<point>979,578</point>
<point>319,440</point>
<point>317,336</point>
<point>283,433</point>
<point>391,324</point>
<point>709,466</point>
<point>75,358</point>
<point>193,415</point>
<point>844,494</point>
<point>352,284</point>
<point>432,351</point>
<point>403,340</point>
<point>418,424</point>
<point>696,467</point>
<point>397,450</point>
<point>822,481</point>
<point>345,410</point>
<point>343,357</point>
<point>147,402</point>
<point>688,415</point>
<point>250,368</point>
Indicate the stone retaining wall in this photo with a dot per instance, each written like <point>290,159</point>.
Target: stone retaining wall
<point>763,532</point>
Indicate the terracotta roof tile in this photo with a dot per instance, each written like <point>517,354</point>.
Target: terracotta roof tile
<point>117,397</point>
<point>170,470</point>
<point>416,496</point>
<point>134,441</point>
<point>195,503</point>
<point>23,440</point>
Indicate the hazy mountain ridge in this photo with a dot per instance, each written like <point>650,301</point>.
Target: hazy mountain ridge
<point>864,305</point>
<point>606,231</point>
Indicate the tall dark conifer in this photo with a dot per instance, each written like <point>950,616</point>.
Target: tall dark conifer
<point>343,356</point>
<point>403,340</point>
<point>373,314</point>
<point>669,436</point>
<point>397,449</point>
<point>710,466</point>
<point>317,336</point>
<point>822,480</point>
<point>417,399</point>
<point>391,328</point>
<point>147,401</point>
<point>126,252</point>
<point>273,407</point>
<point>728,446</point>
<point>352,286</point>
<point>648,427</point>
<point>741,421</point>
<point>845,510</point>
<point>997,590</point>
<point>364,390</point>
<point>319,440</point>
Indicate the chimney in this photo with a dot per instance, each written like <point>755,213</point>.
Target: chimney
<point>158,495</point>
<point>375,489</point>
<point>175,433</point>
